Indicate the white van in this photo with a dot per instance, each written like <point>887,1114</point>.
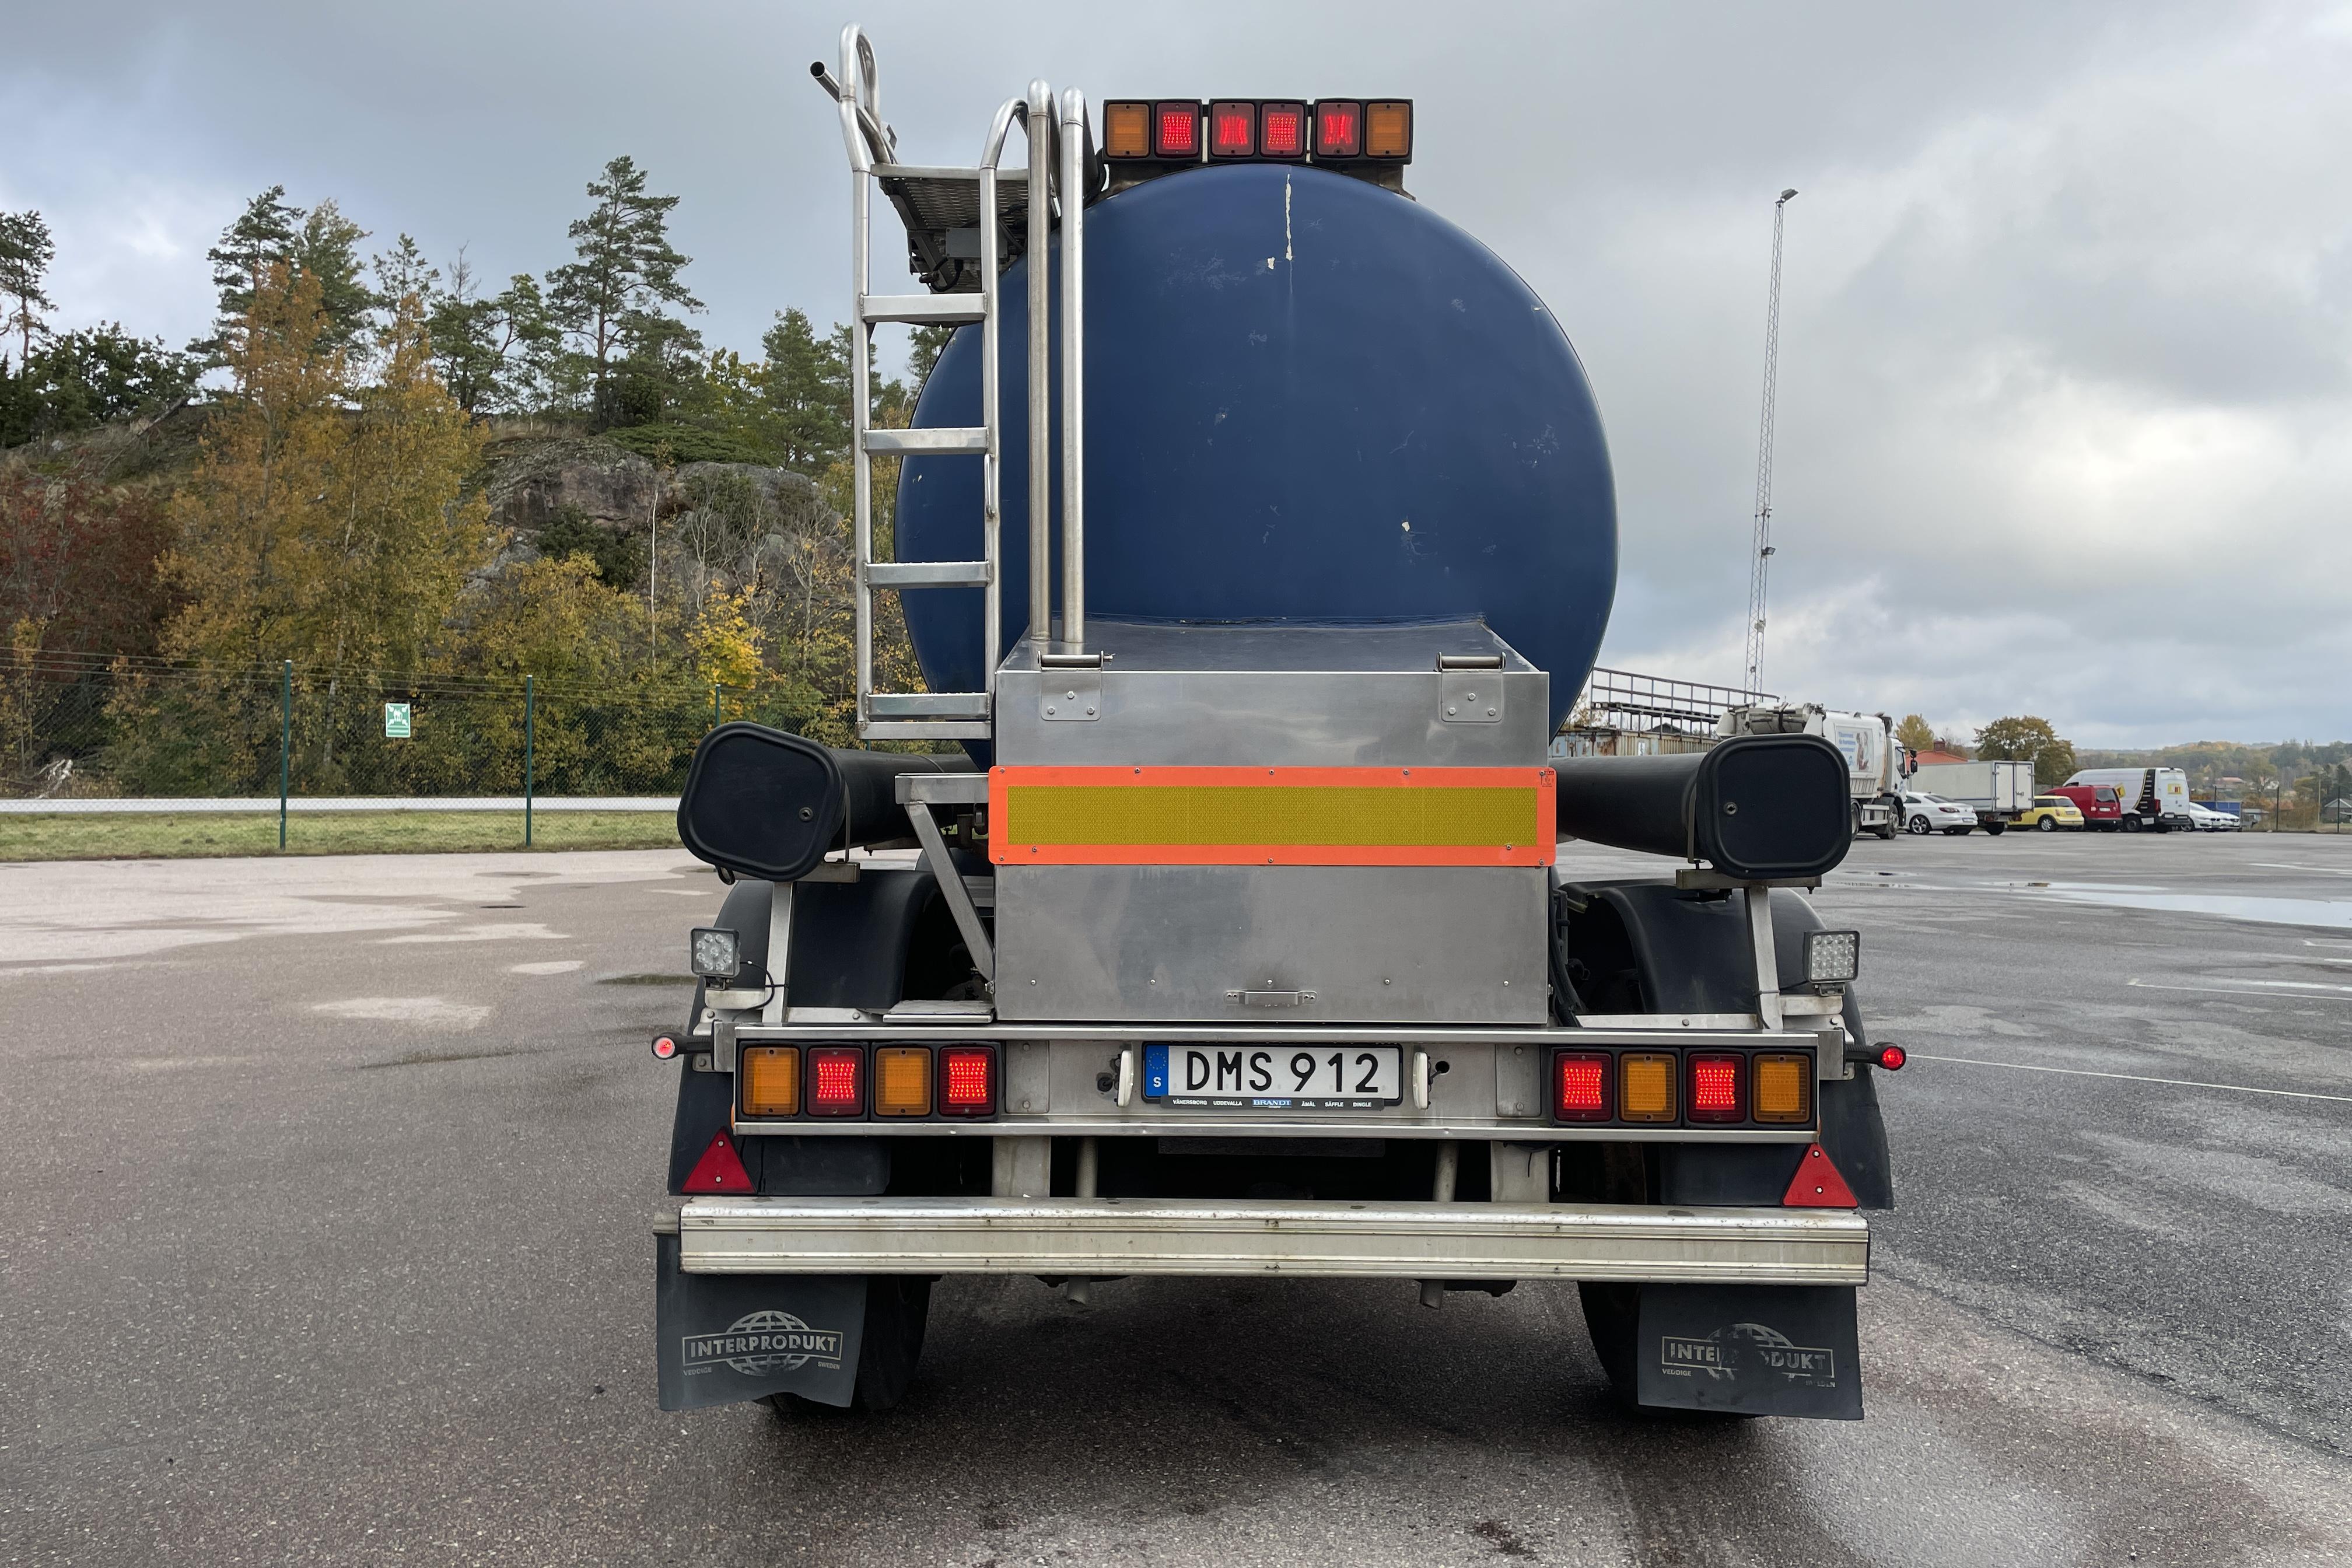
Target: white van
<point>2156,799</point>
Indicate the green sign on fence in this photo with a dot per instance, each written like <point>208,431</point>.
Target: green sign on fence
<point>396,721</point>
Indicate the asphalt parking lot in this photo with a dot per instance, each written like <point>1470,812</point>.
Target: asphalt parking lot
<point>330,1184</point>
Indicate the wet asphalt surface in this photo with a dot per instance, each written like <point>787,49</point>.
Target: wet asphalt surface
<point>328,1187</point>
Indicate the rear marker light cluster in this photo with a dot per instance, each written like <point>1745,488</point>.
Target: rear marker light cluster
<point>1699,1087</point>
<point>850,1082</point>
<point>1240,129</point>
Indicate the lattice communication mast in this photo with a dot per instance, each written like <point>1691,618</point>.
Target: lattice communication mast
<point>1762,564</point>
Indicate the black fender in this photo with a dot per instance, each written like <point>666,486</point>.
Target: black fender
<point>1649,947</point>
<point>870,944</point>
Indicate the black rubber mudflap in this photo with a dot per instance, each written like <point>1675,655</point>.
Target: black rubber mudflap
<point>1750,1350</point>
<point>724,1338</point>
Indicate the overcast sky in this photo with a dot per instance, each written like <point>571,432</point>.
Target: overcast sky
<point>2065,416</point>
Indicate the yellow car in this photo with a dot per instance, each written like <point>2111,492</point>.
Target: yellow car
<point>2049,813</point>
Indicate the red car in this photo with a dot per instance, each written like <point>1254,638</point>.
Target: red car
<point>2102,808</point>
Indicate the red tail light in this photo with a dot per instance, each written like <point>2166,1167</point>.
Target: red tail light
<point>720,1168</point>
<point>1717,1088</point>
<point>837,1080</point>
<point>1579,1086</point>
<point>1892,1058</point>
<point>968,1080</point>
<point>1338,129</point>
<point>1282,130</point>
<point>1176,130</point>
<point>1232,130</point>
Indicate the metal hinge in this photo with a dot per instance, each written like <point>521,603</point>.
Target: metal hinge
<point>1470,688</point>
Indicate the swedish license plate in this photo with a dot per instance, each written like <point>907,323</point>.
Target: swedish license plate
<point>1273,1077</point>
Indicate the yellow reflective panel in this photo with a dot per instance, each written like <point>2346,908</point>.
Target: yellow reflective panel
<point>902,1081</point>
<point>1205,814</point>
<point>1784,1086</point>
<point>771,1079</point>
<point>1645,1087</point>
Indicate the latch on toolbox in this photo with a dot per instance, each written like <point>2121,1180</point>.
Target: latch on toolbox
<point>1470,688</point>
<point>1069,686</point>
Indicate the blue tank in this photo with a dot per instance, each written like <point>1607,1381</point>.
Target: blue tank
<point>1307,398</point>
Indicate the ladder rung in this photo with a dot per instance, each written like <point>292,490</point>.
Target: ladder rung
<point>927,730</point>
<point>928,573</point>
<point>924,308</point>
<point>941,438</point>
<point>928,704</point>
<point>1016,176</point>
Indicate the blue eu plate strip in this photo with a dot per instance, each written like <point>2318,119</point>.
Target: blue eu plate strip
<point>1155,1072</point>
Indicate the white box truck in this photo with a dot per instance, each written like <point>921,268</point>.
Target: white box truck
<point>1999,792</point>
<point>2155,800</point>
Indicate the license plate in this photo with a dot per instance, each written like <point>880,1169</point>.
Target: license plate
<point>1273,1077</point>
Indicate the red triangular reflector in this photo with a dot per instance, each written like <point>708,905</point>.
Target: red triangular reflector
<point>1818,1186</point>
<point>720,1170</point>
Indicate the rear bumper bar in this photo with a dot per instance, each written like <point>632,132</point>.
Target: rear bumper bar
<point>1153,1236</point>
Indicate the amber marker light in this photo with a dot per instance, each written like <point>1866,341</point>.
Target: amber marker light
<point>771,1080</point>
<point>1127,130</point>
<point>1388,129</point>
<point>1784,1087</point>
<point>902,1081</point>
<point>1645,1088</point>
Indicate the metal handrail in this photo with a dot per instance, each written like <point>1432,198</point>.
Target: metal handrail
<point>1038,113</point>
<point>1077,163</point>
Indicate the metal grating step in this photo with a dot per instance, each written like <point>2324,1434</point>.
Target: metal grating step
<point>923,308</point>
<point>939,439</point>
<point>928,704</point>
<point>937,202</point>
<point>928,573</point>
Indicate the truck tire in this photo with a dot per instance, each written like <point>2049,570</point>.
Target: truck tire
<point>1996,828</point>
<point>2047,825</point>
<point>1886,828</point>
<point>2132,824</point>
<point>1918,825</point>
<point>898,1306</point>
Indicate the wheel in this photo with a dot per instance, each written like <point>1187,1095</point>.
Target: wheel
<point>1996,828</point>
<point>1955,832</point>
<point>2047,825</point>
<point>2133,825</point>
<point>1886,828</point>
<point>1918,825</point>
<point>898,1306</point>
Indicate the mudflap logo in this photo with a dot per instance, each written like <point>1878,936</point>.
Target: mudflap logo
<point>1747,1349</point>
<point>759,1343</point>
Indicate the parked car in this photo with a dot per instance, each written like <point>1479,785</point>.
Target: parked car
<point>2049,813</point>
<point>1926,813</point>
<point>2208,820</point>
<point>2100,806</point>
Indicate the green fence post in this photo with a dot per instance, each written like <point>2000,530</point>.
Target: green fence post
<point>529,724</point>
<point>285,743</point>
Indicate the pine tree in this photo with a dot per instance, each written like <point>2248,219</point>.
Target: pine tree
<point>806,387</point>
<point>326,249</point>
<point>261,238</point>
<point>611,298</point>
<point>26,252</point>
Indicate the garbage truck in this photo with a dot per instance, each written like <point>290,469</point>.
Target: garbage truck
<point>1252,534</point>
<point>1873,757</point>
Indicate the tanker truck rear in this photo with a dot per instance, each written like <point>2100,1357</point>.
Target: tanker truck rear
<point>1225,933</point>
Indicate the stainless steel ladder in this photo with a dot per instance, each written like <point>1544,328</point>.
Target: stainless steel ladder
<point>940,205</point>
